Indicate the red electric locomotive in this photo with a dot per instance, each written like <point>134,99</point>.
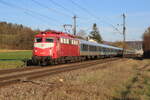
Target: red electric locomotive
<point>54,47</point>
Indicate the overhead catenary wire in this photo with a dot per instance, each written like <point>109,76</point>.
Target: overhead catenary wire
<point>51,18</point>
<point>42,20</point>
<point>27,10</point>
<point>36,17</point>
<point>51,9</point>
<point>84,9</point>
<point>91,14</point>
<point>61,6</point>
<point>27,13</point>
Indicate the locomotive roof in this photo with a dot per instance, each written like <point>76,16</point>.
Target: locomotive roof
<point>54,34</point>
<point>98,44</point>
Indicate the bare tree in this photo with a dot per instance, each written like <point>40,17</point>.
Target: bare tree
<point>82,34</point>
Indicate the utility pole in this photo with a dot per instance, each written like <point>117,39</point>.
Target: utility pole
<point>124,33</point>
<point>74,24</point>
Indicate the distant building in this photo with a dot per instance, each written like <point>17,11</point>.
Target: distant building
<point>136,45</point>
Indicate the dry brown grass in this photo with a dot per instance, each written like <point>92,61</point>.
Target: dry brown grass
<point>109,81</point>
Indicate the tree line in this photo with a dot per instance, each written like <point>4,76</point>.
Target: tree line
<point>14,36</point>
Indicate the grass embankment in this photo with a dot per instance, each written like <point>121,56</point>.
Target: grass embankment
<point>99,82</point>
<point>138,87</point>
<point>122,80</point>
<point>118,80</point>
<point>13,58</point>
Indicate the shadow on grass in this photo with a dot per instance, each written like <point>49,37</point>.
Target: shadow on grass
<point>14,59</point>
<point>10,59</point>
<point>138,58</point>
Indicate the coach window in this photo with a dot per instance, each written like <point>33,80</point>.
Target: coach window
<point>49,40</point>
<point>100,49</point>
<point>108,50</point>
<point>97,48</point>
<point>104,50</point>
<point>112,50</point>
<point>61,40</point>
<point>67,41</point>
<point>84,47</point>
<point>38,39</point>
<point>76,42</point>
<point>72,41</point>
<point>90,48</point>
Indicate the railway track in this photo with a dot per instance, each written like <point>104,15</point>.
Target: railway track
<point>12,76</point>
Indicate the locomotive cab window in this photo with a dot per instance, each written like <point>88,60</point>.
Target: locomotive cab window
<point>49,40</point>
<point>38,40</point>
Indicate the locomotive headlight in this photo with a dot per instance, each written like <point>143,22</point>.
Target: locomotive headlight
<point>35,50</point>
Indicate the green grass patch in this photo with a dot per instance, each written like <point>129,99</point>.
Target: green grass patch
<point>13,59</point>
<point>16,55</point>
<point>11,64</point>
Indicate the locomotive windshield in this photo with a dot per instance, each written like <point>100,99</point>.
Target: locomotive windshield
<point>49,40</point>
<point>38,39</point>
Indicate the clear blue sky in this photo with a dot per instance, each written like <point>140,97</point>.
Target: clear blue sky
<point>102,12</point>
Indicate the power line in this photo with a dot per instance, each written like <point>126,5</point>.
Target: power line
<point>84,9</point>
<point>54,10</point>
<point>61,6</point>
<point>27,10</point>
<point>41,20</point>
<point>91,14</point>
